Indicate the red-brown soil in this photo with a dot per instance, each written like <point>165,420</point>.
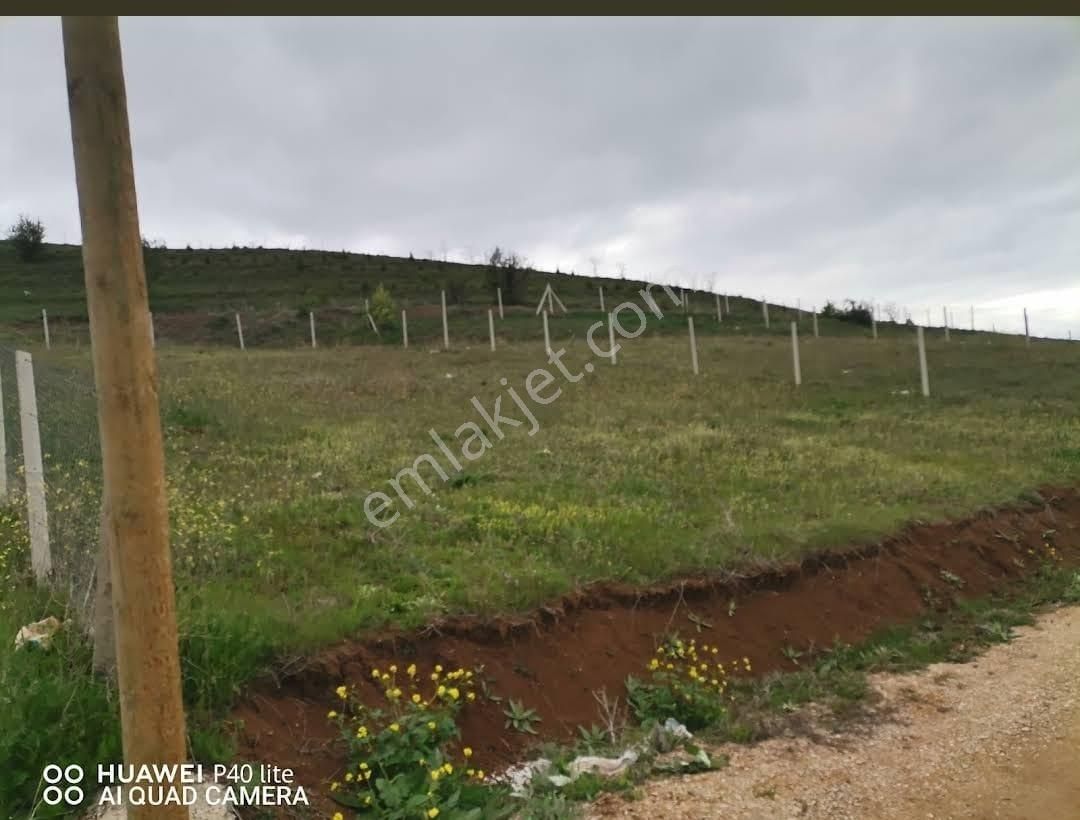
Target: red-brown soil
<point>554,659</point>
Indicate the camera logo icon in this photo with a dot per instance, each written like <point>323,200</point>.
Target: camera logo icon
<point>62,785</point>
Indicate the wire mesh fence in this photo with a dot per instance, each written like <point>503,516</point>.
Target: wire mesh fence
<point>71,462</point>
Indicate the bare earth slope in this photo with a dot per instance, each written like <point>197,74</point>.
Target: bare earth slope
<point>995,738</point>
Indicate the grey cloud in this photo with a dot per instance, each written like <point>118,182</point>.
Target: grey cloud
<point>922,161</point>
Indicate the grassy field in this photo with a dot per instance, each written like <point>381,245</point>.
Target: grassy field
<point>639,472</point>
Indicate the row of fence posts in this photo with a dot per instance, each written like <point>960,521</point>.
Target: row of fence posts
<point>33,465</point>
<point>946,321</point>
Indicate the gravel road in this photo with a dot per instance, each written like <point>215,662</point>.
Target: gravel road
<point>998,737</point>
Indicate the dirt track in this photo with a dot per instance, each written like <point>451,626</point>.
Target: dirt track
<point>995,738</point>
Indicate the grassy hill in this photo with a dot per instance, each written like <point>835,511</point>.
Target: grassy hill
<point>194,295</point>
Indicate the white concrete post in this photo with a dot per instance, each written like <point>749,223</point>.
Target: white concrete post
<point>491,327</point>
<point>498,295</point>
<point>611,336</point>
<point>727,307</point>
<point>547,336</point>
<point>682,298</point>
<point>311,321</point>
<point>404,330</point>
<point>719,313</point>
<point>602,299</point>
<point>945,321</point>
<point>928,319</point>
<point>240,331</point>
<point>153,333</point>
<point>1027,331</point>
<point>765,311</point>
<point>37,515</point>
<point>973,318</point>
<point>374,327</point>
<point>815,325</point>
<point>693,344</point>
<point>3,450</point>
<point>795,353</point>
<point>445,326</point>
<point>367,306</point>
<point>45,327</point>
<point>923,374</point>
<point>551,303</point>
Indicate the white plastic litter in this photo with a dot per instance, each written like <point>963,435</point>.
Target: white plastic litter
<point>38,634</point>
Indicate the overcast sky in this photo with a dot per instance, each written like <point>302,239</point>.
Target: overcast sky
<point>920,162</point>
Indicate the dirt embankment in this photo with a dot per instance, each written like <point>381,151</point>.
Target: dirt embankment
<point>553,660</point>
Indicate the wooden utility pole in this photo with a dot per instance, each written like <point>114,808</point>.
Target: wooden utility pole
<point>129,420</point>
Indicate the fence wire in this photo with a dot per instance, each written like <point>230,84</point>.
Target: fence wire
<point>71,457</point>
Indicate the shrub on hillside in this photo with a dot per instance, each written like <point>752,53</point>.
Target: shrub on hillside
<point>384,309</point>
<point>860,313</point>
<point>28,237</point>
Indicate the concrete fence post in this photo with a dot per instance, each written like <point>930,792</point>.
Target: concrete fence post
<point>491,327</point>
<point>727,307</point>
<point>765,311</point>
<point>611,337</point>
<point>797,365</point>
<point>445,325</point>
<point>815,325</point>
<point>240,331</point>
<point>547,335</point>
<point>602,299</point>
<point>1027,330</point>
<point>945,321</point>
<point>719,313</point>
<point>153,332</point>
<point>33,466</point>
<point>45,327</point>
<point>3,450</point>
<point>498,295</point>
<point>404,330</point>
<point>973,318</point>
<point>311,321</point>
<point>693,344</point>
<point>923,373</point>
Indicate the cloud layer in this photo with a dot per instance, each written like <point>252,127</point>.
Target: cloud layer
<point>925,163</point>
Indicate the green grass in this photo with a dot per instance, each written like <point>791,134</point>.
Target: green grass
<point>640,472</point>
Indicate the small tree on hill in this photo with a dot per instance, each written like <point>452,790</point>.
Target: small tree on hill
<point>28,237</point>
<point>384,309</point>
<point>506,270</point>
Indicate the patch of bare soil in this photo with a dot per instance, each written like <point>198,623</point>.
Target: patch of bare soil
<point>995,738</point>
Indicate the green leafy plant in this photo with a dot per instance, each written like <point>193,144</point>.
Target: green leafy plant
<point>688,683</point>
<point>519,718</point>
<point>384,309</point>
<point>402,759</point>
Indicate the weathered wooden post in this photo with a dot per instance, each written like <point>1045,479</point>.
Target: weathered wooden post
<point>129,416</point>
